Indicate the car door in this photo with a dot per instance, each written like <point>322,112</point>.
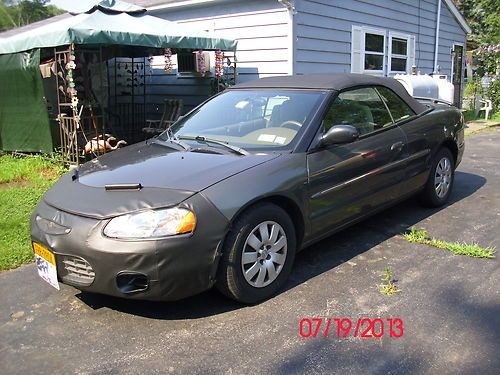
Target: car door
<point>349,180</point>
<point>421,134</point>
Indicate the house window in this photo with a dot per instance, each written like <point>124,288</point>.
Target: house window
<point>398,53</point>
<point>186,62</point>
<point>374,51</point>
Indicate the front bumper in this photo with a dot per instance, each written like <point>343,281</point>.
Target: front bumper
<point>174,267</point>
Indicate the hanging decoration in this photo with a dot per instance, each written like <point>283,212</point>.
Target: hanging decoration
<point>219,63</point>
<point>70,82</point>
<point>150,61</point>
<point>200,59</point>
<point>168,60</point>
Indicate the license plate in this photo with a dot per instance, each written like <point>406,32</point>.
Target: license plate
<point>46,264</point>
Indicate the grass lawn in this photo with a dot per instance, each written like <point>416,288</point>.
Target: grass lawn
<point>469,115</point>
<point>23,180</point>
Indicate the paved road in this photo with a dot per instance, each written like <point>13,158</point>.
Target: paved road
<point>450,305</point>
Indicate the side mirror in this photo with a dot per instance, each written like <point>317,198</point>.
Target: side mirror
<point>339,134</point>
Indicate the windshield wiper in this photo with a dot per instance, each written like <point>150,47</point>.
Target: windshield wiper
<point>178,142</point>
<point>200,138</point>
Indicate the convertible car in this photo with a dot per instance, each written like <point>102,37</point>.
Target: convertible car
<point>236,187</point>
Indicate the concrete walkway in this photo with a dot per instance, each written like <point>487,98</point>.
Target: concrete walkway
<point>476,126</point>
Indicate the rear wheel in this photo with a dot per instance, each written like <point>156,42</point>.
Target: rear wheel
<point>258,254</point>
<point>440,183</point>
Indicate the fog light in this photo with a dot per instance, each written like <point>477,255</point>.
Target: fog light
<point>131,282</point>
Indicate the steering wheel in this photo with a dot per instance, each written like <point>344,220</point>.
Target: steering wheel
<point>291,124</point>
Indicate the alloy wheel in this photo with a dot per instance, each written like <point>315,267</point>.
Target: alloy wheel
<point>442,177</point>
<point>264,254</point>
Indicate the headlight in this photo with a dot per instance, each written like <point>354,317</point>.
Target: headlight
<point>152,224</point>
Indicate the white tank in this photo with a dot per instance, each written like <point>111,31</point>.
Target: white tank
<point>446,89</point>
<point>426,86</point>
<point>422,85</point>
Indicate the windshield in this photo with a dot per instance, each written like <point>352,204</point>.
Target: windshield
<point>251,119</point>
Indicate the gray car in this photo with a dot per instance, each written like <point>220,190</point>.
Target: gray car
<point>235,188</point>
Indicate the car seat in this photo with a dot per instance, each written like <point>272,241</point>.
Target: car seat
<point>346,112</point>
<point>289,110</point>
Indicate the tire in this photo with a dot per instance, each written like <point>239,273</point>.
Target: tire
<point>438,188</point>
<point>248,258</point>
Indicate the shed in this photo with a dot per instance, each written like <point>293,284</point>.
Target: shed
<point>109,30</point>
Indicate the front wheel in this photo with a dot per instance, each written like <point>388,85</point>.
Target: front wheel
<point>440,183</point>
<point>258,254</point>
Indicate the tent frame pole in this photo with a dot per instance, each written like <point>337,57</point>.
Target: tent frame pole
<point>101,78</point>
<point>59,121</point>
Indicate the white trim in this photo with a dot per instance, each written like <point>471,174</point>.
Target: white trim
<point>406,37</point>
<point>355,49</point>
<point>456,13</point>
<point>290,8</point>
<point>461,86</point>
<point>180,4</point>
<point>453,58</point>
<point>231,15</point>
<point>370,30</point>
<point>291,39</point>
<point>436,43</point>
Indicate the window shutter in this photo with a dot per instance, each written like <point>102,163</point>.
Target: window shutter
<point>356,47</point>
<point>411,52</point>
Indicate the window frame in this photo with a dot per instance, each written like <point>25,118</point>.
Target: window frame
<point>390,55</point>
<point>321,129</point>
<point>400,121</point>
<point>359,53</point>
<point>369,30</point>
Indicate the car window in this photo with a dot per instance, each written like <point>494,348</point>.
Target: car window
<point>399,109</point>
<point>272,102</point>
<point>361,108</point>
<point>251,119</point>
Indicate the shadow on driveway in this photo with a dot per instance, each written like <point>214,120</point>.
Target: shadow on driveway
<point>309,263</point>
<point>474,326</point>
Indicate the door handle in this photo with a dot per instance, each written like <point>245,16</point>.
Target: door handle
<point>397,146</point>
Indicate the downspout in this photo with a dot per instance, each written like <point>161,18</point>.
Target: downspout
<point>436,45</point>
<point>291,34</point>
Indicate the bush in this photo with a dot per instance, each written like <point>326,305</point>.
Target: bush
<point>469,90</point>
<point>494,93</point>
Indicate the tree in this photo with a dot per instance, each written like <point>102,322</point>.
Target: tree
<point>483,17</point>
<point>24,12</point>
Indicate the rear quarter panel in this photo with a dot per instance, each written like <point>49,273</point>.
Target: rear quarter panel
<point>443,125</point>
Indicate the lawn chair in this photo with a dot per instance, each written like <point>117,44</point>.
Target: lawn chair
<point>486,106</point>
<point>171,111</point>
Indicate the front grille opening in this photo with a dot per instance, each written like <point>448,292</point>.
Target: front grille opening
<point>131,282</point>
<point>77,270</point>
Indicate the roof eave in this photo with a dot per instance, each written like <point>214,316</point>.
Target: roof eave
<point>459,17</point>
<point>189,3</point>
<point>181,4</point>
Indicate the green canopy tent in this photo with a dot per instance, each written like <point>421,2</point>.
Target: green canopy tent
<point>24,124</point>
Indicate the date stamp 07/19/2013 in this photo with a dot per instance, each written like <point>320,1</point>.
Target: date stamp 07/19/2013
<point>346,327</point>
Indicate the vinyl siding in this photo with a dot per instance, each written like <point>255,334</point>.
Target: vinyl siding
<point>321,36</point>
<point>450,32</point>
<point>323,31</point>
<point>262,29</point>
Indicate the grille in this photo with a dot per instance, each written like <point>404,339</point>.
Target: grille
<point>78,270</point>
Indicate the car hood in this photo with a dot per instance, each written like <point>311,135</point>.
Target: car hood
<point>167,177</point>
